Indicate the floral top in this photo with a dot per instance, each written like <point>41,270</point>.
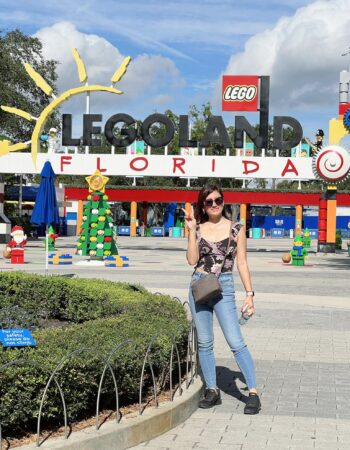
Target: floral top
<point>211,254</point>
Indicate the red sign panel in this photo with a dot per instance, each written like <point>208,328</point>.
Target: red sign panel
<point>240,93</point>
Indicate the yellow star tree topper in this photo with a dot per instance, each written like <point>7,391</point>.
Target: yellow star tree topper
<point>97,182</point>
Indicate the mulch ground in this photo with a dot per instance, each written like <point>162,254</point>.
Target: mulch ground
<point>125,413</point>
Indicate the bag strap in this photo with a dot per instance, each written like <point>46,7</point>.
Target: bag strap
<point>198,237</point>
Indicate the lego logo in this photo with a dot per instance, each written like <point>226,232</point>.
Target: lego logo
<point>240,93</point>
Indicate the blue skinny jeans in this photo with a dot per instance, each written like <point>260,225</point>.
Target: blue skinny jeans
<point>226,313</point>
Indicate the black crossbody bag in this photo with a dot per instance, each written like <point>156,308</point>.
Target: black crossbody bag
<point>208,287</point>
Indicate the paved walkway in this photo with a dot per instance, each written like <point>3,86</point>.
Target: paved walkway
<point>299,339</point>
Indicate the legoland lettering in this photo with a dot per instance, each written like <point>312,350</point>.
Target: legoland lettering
<point>215,132</point>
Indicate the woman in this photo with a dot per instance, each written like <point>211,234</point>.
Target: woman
<point>212,237</point>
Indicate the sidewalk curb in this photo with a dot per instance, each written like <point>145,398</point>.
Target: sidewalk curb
<point>132,431</point>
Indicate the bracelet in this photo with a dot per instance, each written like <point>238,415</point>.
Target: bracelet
<point>250,293</point>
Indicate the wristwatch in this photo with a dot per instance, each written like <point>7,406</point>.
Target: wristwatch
<point>250,293</point>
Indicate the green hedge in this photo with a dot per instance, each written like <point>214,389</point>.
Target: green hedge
<point>76,300</point>
<point>101,315</point>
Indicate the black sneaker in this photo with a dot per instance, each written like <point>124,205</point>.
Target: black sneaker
<point>253,405</point>
<point>212,397</point>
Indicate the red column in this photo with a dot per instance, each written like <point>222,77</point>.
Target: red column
<point>327,213</point>
<point>322,221</point>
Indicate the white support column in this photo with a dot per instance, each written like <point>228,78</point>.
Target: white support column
<point>5,224</point>
<point>87,111</point>
<point>2,197</point>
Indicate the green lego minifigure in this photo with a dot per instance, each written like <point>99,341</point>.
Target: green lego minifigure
<point>51,238</point>
<point>306,238</point>
<point>298,252</point>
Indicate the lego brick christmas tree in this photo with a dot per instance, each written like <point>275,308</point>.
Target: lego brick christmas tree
<point>96,237</point>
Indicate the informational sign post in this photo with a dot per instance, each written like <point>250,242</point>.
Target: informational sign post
<point>16,337</point>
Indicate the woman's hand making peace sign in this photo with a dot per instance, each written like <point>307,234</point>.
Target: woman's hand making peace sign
<point>190,221</point>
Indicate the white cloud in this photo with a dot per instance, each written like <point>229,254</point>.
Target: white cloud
<point>302,55</point>
<point>166,27</point>
<point>163,25</point>
<point>162,100</point>
<point>148,76</point>
<point>100,57</point>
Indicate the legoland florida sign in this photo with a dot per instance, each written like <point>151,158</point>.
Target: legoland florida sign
<point>164,165</point>
<point>239,93</point>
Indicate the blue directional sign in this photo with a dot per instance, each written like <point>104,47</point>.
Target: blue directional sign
<point>157,231</point>
<point>123,231</point>
<point>277,232</point>
<point>313,234</point>
<point>16,337</point>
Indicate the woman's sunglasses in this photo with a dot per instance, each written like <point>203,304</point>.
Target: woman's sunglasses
<point>218,201</point>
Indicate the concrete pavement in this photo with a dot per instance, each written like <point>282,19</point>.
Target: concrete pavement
<point>299,340</point>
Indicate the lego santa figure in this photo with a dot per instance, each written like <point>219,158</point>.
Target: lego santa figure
<point>16,245</point>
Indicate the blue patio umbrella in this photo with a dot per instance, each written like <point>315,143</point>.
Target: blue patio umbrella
<point>46,208</point>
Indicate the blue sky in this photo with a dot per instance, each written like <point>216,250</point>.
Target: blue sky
<point>181,49</point>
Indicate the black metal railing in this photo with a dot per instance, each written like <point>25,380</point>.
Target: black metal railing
<point>190,363</point>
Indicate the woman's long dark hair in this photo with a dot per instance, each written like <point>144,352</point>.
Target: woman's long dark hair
<point>199,214</point>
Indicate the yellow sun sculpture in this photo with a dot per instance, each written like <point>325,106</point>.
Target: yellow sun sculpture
<point>97,182</point>
<point>7,147</point>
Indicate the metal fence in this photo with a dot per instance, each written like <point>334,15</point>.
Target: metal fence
<point>191,372</point>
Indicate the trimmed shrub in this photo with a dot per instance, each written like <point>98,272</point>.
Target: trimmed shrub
<point>102,314</point>
<point>75,300</point>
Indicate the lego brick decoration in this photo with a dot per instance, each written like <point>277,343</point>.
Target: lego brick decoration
<point>116,261</point>
<point>96,236</point>
<point>17,256</point>
<point>59,259</point>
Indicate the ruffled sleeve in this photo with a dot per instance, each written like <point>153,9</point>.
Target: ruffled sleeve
<point>235,229</point>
